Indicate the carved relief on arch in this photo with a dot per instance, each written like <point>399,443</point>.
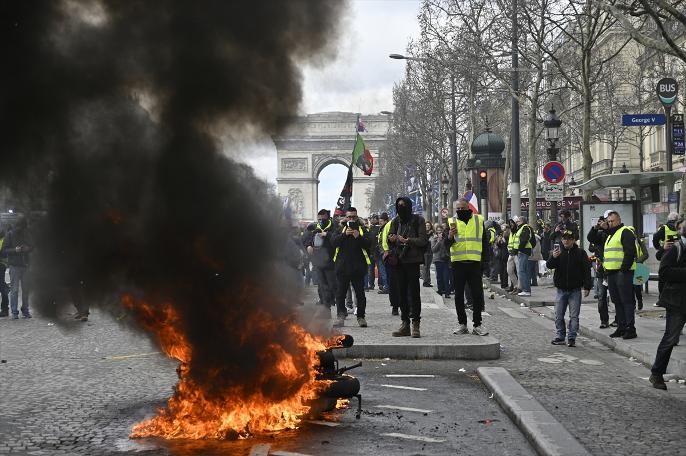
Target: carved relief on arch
<point>296,201</point>
<point>293,164</point>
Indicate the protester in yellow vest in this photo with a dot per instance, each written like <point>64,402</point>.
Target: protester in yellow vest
<point>523,242</point>
<point>468,244</point>
<point>666,233</point>
<point>619,263</point>
<point>350,263</point>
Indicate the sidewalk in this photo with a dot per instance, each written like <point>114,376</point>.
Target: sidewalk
<point>650,325</point>
<point>437,326</point>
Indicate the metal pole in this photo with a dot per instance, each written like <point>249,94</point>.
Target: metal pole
<point>515,191</point>
<point>552,156</point>
<point>668,137</point>
<point>453,141</point>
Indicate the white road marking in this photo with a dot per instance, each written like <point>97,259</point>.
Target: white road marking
<point>550,360</point>
<point>591,362</point>
<point>287,453</point>
<point>511,312</point>
<point>405,387</point>
<point>405,409</point>
<point>137,355</point>
<point>410,375</point>
<point>324,423</point>
<point>261,449</point>
<point>414,437</point>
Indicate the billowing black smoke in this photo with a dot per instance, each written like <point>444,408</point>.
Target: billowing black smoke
<point>109,115</point>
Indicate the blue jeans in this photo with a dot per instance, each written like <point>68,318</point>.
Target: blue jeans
<point>523,271</point>
<point>18,279</point>
<point>442,277</point>
<point>383,279</point>
<point>571,299</point>
<point>674,324</point>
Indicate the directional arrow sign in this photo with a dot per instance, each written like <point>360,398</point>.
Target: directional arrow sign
<point>554,172</point>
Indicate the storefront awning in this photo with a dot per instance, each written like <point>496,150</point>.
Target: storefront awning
<point>628,180</point>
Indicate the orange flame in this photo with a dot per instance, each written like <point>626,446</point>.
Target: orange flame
<point>192,413</point>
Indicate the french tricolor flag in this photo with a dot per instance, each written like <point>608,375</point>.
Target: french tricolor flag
<point>472,201</point>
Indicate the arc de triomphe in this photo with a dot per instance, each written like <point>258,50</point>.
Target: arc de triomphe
<point>315,141</point>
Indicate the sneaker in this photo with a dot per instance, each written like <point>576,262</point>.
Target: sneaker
<point>479,331</point>
<point>524,293</point>
<point>640,306</point>
<point>613,324</point>
<point>657,381</point>
<point>447,296</point>
<point>617,333</point>
<point>604,326</point>
<point>362,322</point>
<point>26,315</point>
<point>384,291</point>
<point>4,313</point>
<point>427,284</point>
<point>15,316</point>
<point>403,331</point>
<point>558,341</point>
<point>84,317</point>
<point>340,322</point>
<point>461,329</point>
<point>629,335</point>
<point>571,343</point>
<point>395,311</point>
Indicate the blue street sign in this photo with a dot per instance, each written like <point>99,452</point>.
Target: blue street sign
<point>639,120</point>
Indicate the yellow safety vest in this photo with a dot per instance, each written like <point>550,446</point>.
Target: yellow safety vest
<point>511,241</point>
<point>668,232</point>
<point>384,236</point>
<point>468,239</point>
<point>614,252</point>
<point>364,251</point>
<point>320,229</point>
<point>491,237</point>
<point>514,238</point>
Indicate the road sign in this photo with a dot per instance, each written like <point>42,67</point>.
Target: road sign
<point>554,172</point>
<point>444,212</point>
<point>678,146</point>
<point>640,120</point>
<point>667,89</point>
<point>552,192</point>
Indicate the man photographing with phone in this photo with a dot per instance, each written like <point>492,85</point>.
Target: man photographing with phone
<point>351,260</point>
<point>572,272</point>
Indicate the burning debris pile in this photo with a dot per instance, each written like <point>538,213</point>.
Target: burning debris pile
<point>110,113</point>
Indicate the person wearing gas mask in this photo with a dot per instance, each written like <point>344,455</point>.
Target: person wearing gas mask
<point>318,244</point>
<point>672,274</point>
<point>666,233</point>
<point>468,244</point>
<point>408,240</point>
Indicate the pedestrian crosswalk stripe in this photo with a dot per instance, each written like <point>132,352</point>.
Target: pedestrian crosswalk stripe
<point>137,355</point>
<point>410,375</point>
<point>405,387</point>
<point>286,453</point>
<point>405,409</point>
<point>420,438</point>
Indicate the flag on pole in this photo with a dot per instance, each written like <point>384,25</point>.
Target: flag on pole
<point>472,201</point>
<point>362,158</point>
<point>347,193</point>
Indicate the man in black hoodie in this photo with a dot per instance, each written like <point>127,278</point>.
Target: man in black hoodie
<point>351,259</point>
<point>572,272</point>
<point>407,238</point>
<point>318,244</point>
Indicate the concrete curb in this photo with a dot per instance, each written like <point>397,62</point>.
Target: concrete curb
<point>544,432</point>
<point>643,352</point>
<point>487,350</point>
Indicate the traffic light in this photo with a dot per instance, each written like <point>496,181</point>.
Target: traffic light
<point>483,183</point>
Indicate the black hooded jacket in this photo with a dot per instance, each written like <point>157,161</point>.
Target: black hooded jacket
<point>413,228</point>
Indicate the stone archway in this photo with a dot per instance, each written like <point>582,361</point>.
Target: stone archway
<point>313,142</point>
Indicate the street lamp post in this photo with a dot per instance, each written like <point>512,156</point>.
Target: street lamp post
<point>444,189</point>
<point>624,170</point>
<point>453,121</point>
<point>552,135</point>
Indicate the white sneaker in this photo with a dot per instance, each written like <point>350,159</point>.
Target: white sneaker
<point>461,329</point>
<point>479,331</point>
<point>524,293</point>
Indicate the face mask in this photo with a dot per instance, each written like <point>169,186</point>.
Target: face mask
<point>404,212</point>
<point>464,214</point>
<point>323,223</point>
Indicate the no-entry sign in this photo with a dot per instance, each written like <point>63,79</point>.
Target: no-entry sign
<point>554,172</point>
<point>444,212</point>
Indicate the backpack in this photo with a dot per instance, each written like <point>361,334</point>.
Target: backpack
<point>641,250</point>
<point>532,239</point>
